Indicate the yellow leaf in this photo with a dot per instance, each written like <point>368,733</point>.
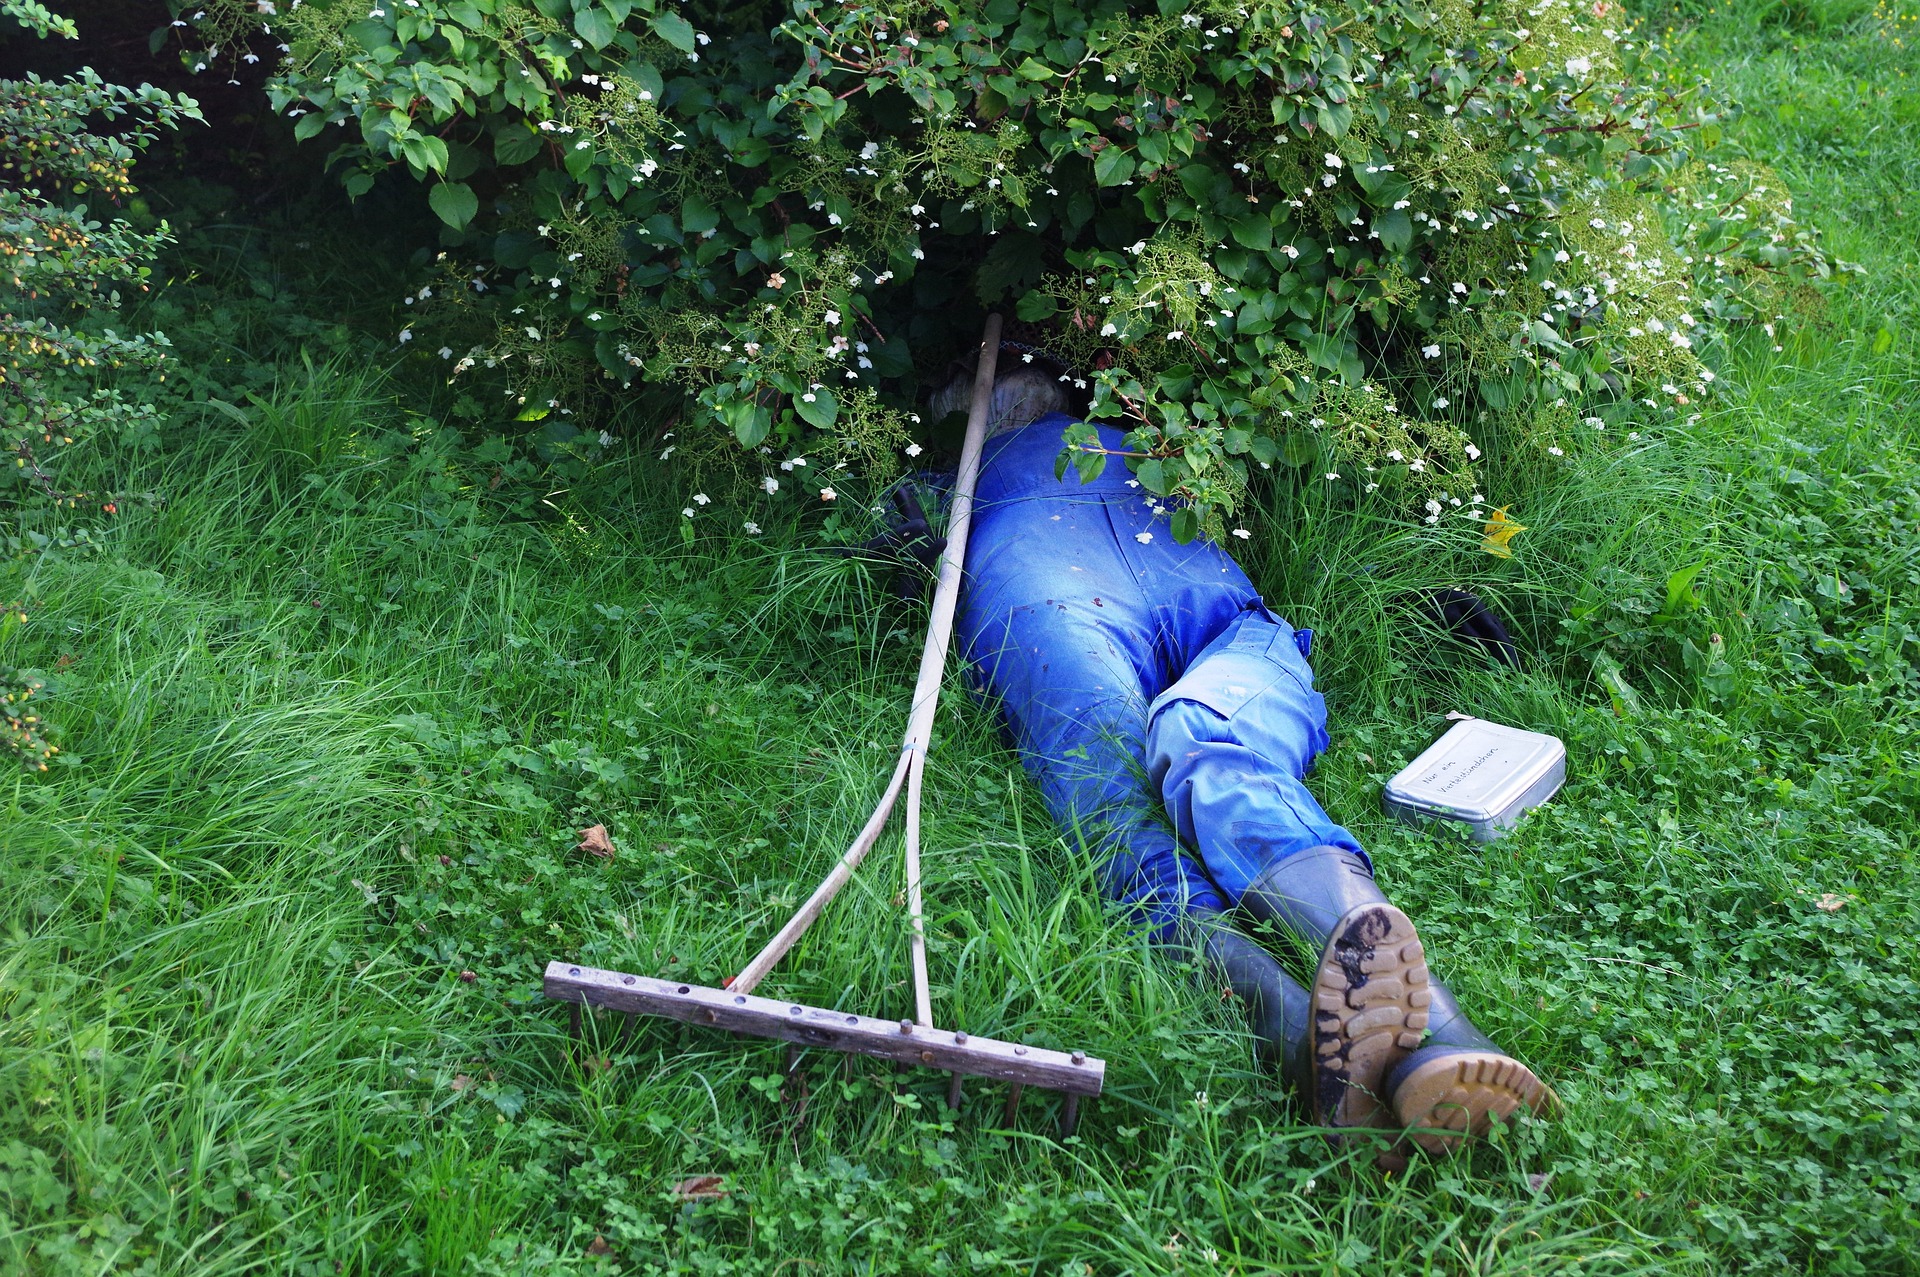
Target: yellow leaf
<point>1500,533</point>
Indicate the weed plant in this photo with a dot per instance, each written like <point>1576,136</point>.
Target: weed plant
<point>271,944</point>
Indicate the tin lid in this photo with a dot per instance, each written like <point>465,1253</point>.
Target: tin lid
<point>1477,771</point>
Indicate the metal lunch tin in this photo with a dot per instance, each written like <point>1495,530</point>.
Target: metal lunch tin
<point>1481,775</point>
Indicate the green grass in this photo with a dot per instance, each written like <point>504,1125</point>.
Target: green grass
<point>270,948</point>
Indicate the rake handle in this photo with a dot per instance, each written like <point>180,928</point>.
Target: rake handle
<point>926,699</point>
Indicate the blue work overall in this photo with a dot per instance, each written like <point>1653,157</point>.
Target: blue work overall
<point>1139,677</point>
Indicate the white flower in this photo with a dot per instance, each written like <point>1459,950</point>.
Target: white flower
<point>1143,537</point>
<point>1441,403</point>
<point>606,441</point>
<point>1290,251</point>
<point>1579,66</point>
<point>1473,454</point>
<point>770,485</point>
<point>1431,352</point>
<point>446,352</point>
<point>753,529</point>
<point>832,317</point>
<point>1334,161</point>
<point>701,498</point>
<point>1243,534</point>
<point>686,512</point>
<point>1459,287</point>
<point>914,450</point>
<point>533,334</point>
<point>1332,475</point>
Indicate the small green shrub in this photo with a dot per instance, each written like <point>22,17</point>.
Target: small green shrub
<point>61,271</point>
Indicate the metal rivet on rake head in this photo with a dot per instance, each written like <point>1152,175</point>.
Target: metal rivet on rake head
<point>1079,1057</point>
<point>1019,1050</point>
<point>926,1057</point>
<point>739,999</point>
<point>573,970</point>
<point>795,1011</point>
<point>960,1038</point>
<point>684,989</point>
<point>853,1019</point>
<point>906,1026</point>
<point>626,979</point>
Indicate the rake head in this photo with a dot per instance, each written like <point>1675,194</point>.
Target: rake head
<point>1076,1074</point>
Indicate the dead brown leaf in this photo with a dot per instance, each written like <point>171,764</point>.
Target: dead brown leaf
<point>598,1246</point>
<point>462,1082</point>
<point>594,839</point>
<point>701,1188</point>
<point>1830,903</point>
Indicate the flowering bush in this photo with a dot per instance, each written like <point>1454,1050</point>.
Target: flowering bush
<point>1366,240</point>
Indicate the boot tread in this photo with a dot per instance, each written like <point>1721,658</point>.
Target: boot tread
<point>1370,1000</point>
<point>1457,1095</point>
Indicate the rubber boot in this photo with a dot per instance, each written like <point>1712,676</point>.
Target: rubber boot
<point>1370,984</point>
<point>1279,1010</point>
<point>1454,1086</point>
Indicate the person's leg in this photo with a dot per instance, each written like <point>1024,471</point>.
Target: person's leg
<point>1228,746</point>
<point>1071,680</point>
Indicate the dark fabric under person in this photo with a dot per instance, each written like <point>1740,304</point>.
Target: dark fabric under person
<point>1169,719</point>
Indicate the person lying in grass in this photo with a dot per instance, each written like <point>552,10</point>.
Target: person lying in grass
<point>1138,675</point>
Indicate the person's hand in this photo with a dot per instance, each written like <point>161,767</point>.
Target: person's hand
<point>908,543</point>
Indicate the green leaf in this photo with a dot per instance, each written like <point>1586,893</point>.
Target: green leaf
<point>1680,596</point>
<point>1034,69</point>
<point>1253,232</point>
<point>1035,306</point>
<point>595,26</point>
<point>426,154</point>
<point>515,144</point>
<point>1883,341</point>
<point>1153,476</point>
<point>749,421</point>
<point>1324,349</point>
<point>1186,524</point>
<point>310,124</point>
<point>675,30</point>
<point>817,408</point>
<point>454,203</point>
<point>1396,229</point>
<point>1112,166</point>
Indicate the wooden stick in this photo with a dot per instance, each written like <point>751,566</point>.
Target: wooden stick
<point>933,657</point>
<point>1075,1073</point>
<point>926,698</point>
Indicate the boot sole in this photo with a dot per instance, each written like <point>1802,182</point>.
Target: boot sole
<point>1370,1000</point>
<point>1448,1101</point>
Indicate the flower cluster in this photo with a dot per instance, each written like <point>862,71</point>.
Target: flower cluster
<point>1382,245</point>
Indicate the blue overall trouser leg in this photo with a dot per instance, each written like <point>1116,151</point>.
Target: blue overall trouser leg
<point>1141,679</point>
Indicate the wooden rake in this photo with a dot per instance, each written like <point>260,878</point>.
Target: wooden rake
<point>916,1041</point>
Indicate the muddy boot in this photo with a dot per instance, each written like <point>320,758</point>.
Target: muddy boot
<point>1453,1086</point>
<point>1278,1008</point>
<point>1369,986</point>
